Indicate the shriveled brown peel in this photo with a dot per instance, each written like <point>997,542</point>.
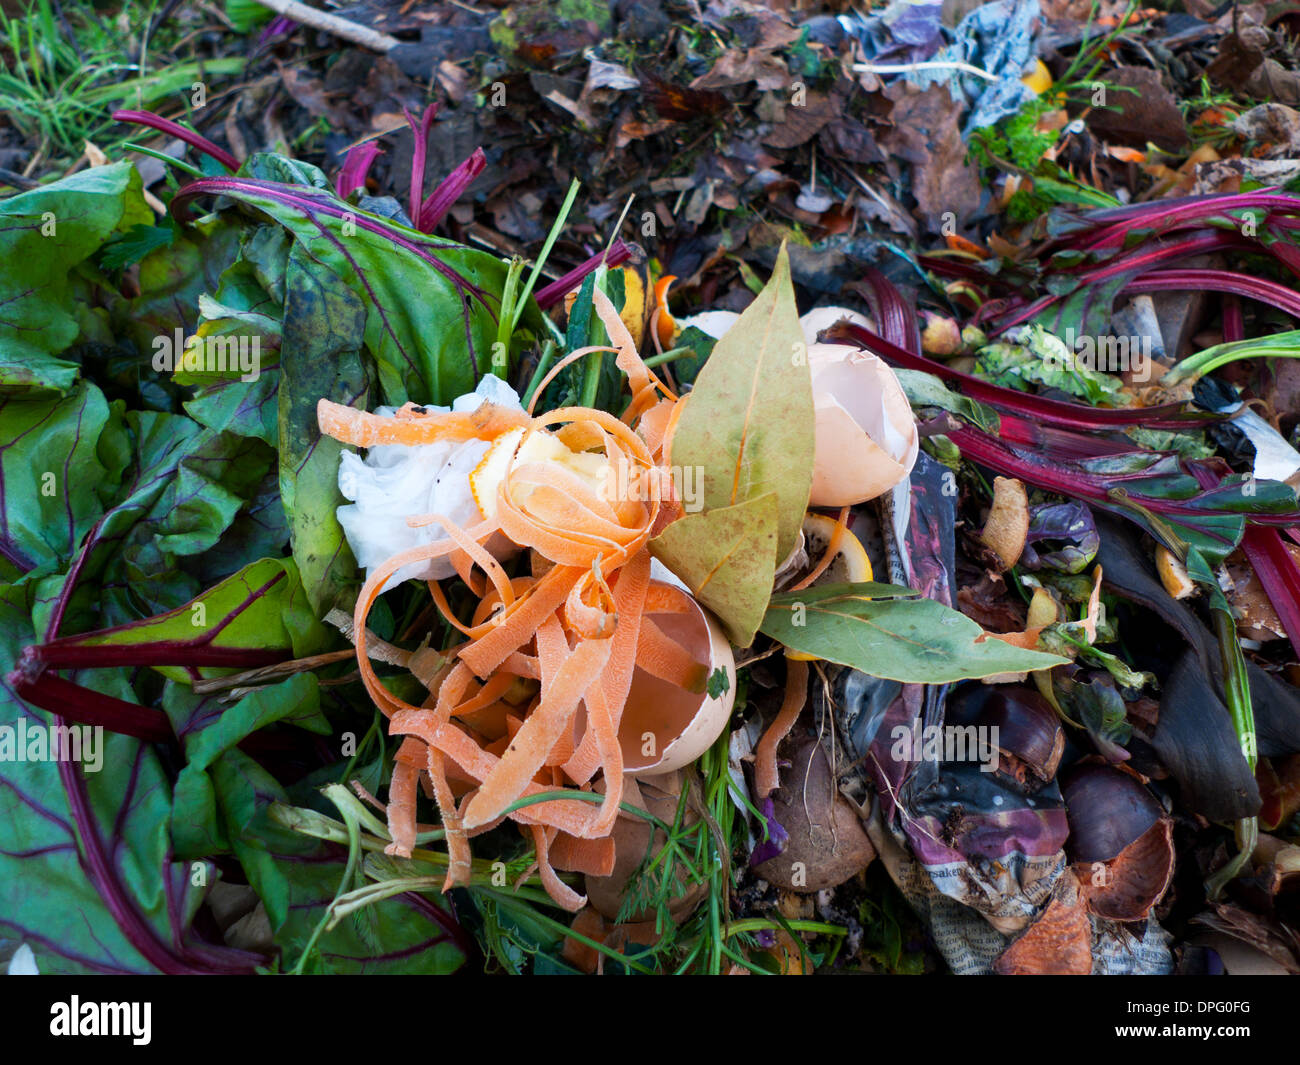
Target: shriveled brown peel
<point>1008,521</point>
<point>1058,943</point>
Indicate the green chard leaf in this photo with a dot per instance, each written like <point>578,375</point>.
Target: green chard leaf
<point>925,390</point>
<point>112,898</point>
<point>53,474</point>
<point>430,304</point>
<point>44,235</point>
<point>260,608</point>
<point>321,358</point>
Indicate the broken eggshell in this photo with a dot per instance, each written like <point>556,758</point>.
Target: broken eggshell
<point>665,727</point>
<point>866,435</point>
<point>816,321</point>
<point>819,319</point>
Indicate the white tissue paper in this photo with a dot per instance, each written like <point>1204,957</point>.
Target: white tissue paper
<point>396,481</point>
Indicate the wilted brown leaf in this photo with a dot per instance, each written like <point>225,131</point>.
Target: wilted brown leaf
<point>1147,113</point>
<point>927,133</point>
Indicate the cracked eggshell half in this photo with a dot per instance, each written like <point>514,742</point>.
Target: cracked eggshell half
<point>866,435</point>
<point>665,727</point>
<point>716,323</point>
<point>820,319</point>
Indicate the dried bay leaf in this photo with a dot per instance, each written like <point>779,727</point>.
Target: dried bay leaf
<point>887,631</point>
<point>749,432</point>
<point>749,425</point>
<point>727,556</point>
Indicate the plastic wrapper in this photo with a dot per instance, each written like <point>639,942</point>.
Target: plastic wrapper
<point>997,38</point>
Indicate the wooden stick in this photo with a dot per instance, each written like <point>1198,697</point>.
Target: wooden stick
<point>339,27</point>
<point>277,671</point>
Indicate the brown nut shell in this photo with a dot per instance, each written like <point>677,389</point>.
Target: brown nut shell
<point>1128,886</point>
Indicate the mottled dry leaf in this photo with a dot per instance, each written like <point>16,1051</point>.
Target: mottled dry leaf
<point>727,556</point>
<point>748,427</point>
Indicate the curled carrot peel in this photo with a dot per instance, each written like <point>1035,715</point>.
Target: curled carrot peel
<point>665,327</point>
<point>766,776</point>
<point>533,697</point>
<point>412,425</point>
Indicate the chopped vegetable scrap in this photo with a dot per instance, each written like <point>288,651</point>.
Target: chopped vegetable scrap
<point>539,694</point>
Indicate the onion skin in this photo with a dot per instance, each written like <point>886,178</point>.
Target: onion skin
<point>1128,886</point>
<point>1059,943</point>
<point>1008,522</point>
<point>1030,737</point>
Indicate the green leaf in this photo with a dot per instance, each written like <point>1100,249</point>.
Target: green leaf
<point>262,607</point>
<point>182,487</point>
<point>44,234</point>
<point>171,281</point>
<point>748,425</point>
<point>887,631</point>
<point>80,916</point>
<point>687,368</point>
<point>1102,712</point>
<point>209,730</point>
<point>926,390</point>
<point>297,877</point>
<point>727,557</point>
<point>1042,358</point>
<point>258,531</point>
<point>132,246</point>
<point>566,389</point>
<point>295,700</point>
<point>323,326</point>
<point>430,304</point>
<point>719,683</point>
<point>51,474</point>
<point>243,307</point>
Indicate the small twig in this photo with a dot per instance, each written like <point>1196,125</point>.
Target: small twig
<point>8,177</point>
<point>257,676</point>
<point>332,24</point>
<point>908,68</point>
<point>742,662</point>
<point>377,649</point>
